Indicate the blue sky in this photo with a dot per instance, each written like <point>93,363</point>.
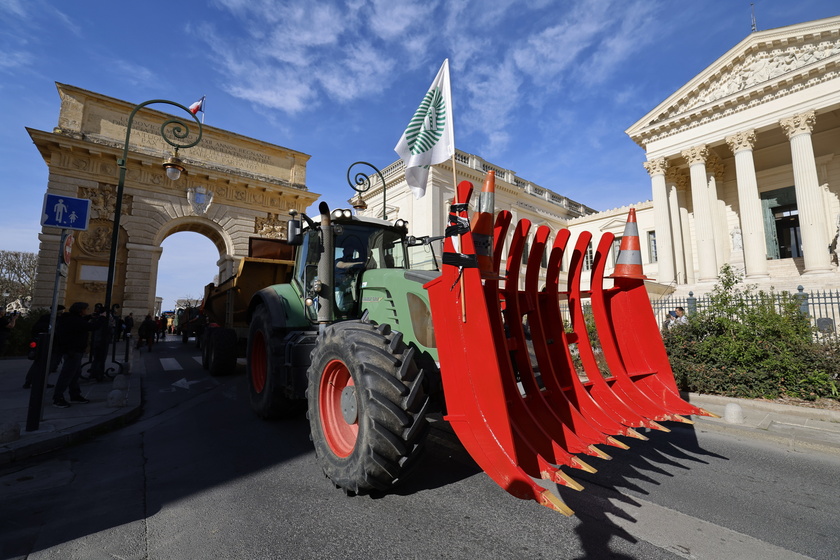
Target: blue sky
<point>545,88</point>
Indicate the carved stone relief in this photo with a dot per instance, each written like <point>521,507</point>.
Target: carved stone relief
<point>756,68</point>
<point>271,226</point>
<point>96,241</point>
<point>103,200</point>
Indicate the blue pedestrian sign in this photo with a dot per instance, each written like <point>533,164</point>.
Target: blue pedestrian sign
<point>65,212</point>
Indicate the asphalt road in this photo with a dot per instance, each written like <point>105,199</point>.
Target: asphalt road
<point>200,477</point>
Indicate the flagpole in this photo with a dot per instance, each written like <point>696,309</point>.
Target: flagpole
<point>460,245</point>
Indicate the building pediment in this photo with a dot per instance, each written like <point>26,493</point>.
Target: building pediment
<point>616,225</point>
<point>764,66</point>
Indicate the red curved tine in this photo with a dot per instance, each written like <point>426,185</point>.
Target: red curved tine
<point>562,379</point>
<point>534,436</point>
<point>609,397</point>
<point>533,400</point>
<point>608,331</point>
<point>556,401</point>
<point>475,397</point>
<point>530,425</point>
<point>632,339</point>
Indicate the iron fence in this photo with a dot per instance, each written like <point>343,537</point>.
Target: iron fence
<point>821,307</point>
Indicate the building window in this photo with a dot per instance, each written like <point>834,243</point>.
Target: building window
<point>651,238</point>
<point>615,249</point>
<point>588,257</point>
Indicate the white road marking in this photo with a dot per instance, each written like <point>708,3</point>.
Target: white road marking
<point>197,359</point>
<point>170,364</point>
<point>184,384</point>
<point>690,537</point>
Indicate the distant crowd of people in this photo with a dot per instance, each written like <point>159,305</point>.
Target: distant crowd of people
<point>77,331</point>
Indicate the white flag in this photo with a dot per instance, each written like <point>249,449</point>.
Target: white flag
<point>429,137</point>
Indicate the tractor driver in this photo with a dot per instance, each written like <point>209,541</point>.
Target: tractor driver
<point>347,266</point>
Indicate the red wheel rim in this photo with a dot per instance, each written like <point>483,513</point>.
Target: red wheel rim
<point>340,436</point>
<point>258,362</point>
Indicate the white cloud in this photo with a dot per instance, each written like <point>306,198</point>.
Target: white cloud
<point>15,59</point>
<point>393,19</point>
<point>134,73</point>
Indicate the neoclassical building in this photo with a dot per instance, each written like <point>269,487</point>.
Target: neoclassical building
<point>743,163</point>
<point>744,166</point>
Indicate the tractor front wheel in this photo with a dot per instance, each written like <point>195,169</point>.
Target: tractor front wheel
<point>367,406</point>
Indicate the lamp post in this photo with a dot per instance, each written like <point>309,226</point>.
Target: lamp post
<point>179,132</point>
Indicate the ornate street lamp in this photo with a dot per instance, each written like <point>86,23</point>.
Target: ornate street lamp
<point>178,132</point>
<point>361,183</point>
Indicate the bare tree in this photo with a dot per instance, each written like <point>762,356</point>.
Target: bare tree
<point>187,301</point>
<point>17,276</point>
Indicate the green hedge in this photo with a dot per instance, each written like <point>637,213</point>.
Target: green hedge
<point>752,344</point>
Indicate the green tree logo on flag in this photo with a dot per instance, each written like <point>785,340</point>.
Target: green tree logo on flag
<point>427,125</point>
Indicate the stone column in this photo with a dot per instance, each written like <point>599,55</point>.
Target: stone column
<point>749,204</point>
<point>809,199</point>
<point>685,225</point>
<point>672,177</point>
<point>703,222</point>
<point>714,175</point>
<point>140,279</point>
<point>661,220</point>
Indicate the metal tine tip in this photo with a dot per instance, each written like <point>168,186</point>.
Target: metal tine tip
<point>705,412</point>
<point>549,500</point>
<point>683,419</point>
<point>615,443</point>
<point>593,450</point>
<point>577,463</point>
<point>634,434</point>
<point>657,426</point>
<point>559,477</point>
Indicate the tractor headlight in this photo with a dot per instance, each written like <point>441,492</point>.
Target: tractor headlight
<point>401,224</point>
<point>339,213</point>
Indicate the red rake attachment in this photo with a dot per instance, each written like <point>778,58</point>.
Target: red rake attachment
<point>521,418</point>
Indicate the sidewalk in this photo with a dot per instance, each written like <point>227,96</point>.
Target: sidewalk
<point>60,427</point>
<point>795,427</point>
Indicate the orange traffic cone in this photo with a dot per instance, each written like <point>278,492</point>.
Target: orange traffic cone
<point>629,261</point>
<point>482,225</point>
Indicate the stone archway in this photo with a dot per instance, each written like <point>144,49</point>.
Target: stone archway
<point>250,186</point>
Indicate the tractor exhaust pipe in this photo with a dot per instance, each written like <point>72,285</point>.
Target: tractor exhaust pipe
<point>325,267</point>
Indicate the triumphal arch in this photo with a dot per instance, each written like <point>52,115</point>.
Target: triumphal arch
<point>233,188</point>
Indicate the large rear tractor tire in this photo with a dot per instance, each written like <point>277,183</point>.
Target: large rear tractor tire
<point>367,406</point>
<point>222,352</point>
<point>265,356</point>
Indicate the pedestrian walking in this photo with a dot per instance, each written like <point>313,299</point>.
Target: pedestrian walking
<point>146,332</point>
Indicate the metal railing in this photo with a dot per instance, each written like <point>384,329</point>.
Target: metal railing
<point>821,307</point>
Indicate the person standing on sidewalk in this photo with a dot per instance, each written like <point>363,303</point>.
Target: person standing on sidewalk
<point>147,331</point>
<point>72,334</point>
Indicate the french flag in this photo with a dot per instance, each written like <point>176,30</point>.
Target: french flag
<point>197,106</point>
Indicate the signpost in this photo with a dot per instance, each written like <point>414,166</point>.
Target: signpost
<point>67,213</point>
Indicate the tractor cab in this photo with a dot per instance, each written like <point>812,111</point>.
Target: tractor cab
<point>334,255</point>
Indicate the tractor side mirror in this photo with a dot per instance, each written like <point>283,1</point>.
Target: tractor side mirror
<point>293,234</point>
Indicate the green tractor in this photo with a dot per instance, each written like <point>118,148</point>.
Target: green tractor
<point>349,339</point>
